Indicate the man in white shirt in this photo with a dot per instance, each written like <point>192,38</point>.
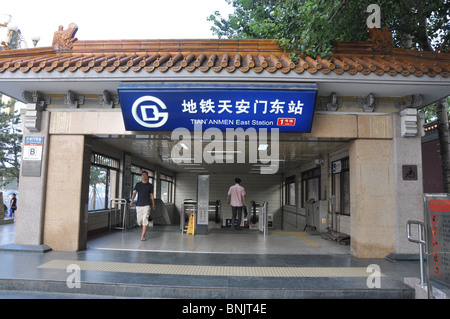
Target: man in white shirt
<point>236,198</point>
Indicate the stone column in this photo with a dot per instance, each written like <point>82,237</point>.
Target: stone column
<point>66,209</point>
<point>32,193</point>
<point>382,199</point>
<point>408,200</point>
<point>372,198</point>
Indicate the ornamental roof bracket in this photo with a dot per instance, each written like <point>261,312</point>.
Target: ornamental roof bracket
<point>332,103</point>
<point>108,100</point>
<point>368,104</point>
<point>73,100</point>
<point>63,39</point>
<point>413,101</point>
<point>36,103</point>
<point>37,98</point>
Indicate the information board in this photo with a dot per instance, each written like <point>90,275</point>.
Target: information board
<point>437,221</point>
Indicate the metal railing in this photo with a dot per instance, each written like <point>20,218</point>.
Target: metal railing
<point>421,241</point>
<point>122,209</point>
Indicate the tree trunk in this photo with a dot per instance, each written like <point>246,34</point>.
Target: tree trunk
<point>442,119</point>
<point>422,35</point>
<point>441,105</point>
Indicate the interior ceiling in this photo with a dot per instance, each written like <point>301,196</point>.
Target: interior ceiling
<point>157,150</point>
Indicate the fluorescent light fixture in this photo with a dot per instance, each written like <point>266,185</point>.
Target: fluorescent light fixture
<point>263,147</point>
<point>184,146</point>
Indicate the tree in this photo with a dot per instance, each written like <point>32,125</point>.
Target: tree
<point>442,123</point>
<point>312,26</point>
<point>97,178</point>
<point>430,111</point>
<point>10,143</point>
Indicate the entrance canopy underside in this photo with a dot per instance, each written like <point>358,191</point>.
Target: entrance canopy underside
<point>159,151</point>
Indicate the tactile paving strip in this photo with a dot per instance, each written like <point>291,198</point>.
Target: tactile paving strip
<point>169,269</point>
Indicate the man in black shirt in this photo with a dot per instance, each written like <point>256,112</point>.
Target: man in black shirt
<point>13,206</point>
<point>144,190</point>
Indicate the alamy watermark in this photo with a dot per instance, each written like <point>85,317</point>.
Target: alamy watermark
<point>220,147</point>
<point>374,279</point>
<point>74,279</point>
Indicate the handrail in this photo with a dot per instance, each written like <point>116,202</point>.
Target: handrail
<point>421,241</point>
<point>119,201</point>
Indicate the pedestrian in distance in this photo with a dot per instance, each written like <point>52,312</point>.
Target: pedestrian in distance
<point>13,206</point>
<point>144,191</point>
<point>236,198</point>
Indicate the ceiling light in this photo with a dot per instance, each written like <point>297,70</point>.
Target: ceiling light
<point>263,147</point>
<point>195,168</point>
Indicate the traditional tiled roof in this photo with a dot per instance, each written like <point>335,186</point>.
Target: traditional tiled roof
<point>374,56</point>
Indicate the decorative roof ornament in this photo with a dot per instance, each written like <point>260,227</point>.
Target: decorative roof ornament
<point>63,39</point>
<point>381,39</point>
<point>5,46</point>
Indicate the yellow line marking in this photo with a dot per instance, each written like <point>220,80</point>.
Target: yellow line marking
<point>169,269</point>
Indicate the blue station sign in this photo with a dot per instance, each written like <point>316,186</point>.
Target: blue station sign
<point>165,107</point>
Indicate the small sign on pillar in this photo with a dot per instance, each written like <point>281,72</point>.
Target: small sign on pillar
<point>32,155</point>
<point>409,172</point>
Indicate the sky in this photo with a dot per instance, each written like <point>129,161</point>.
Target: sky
<point>114,19</point>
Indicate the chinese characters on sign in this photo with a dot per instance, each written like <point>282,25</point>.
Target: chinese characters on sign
<point>32,148</point>
<point>288,110</point>
<point>242,106</point>
<point>437,214</point>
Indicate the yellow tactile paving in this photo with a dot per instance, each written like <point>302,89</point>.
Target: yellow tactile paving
<point>168,269</point>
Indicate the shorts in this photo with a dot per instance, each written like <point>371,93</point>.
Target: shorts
<point>143,213</point>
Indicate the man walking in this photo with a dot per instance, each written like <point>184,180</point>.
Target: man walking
<point>144,190</point>
<point>236,198</point>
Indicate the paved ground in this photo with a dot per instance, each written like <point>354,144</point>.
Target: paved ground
<point>221,265</point>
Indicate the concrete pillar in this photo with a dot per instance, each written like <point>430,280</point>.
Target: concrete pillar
<point>66,209</point>
<point>381,200</point>
<point>408,200</point>
<point>372,198</point>
<point>32,193</point>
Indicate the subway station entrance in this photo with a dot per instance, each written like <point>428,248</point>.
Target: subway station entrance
<point>323,141</point>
